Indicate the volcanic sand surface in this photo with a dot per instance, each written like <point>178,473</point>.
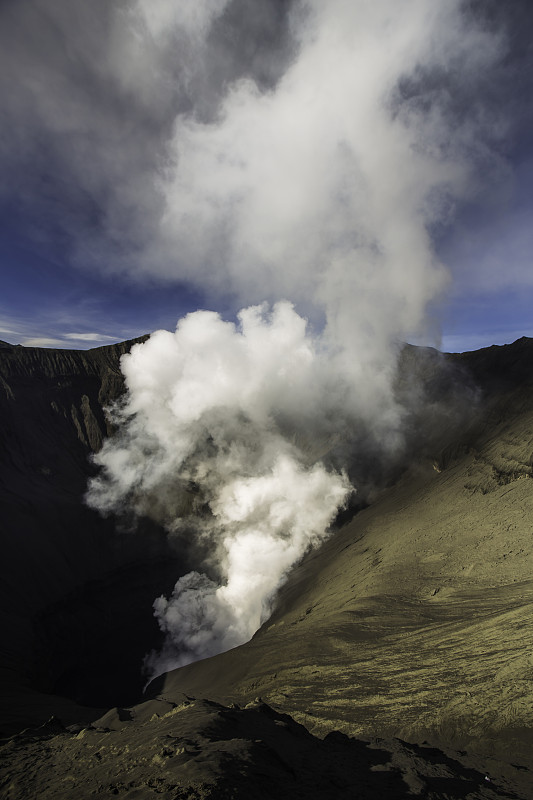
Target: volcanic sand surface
<point>200,749</point>
<point>415,620</point>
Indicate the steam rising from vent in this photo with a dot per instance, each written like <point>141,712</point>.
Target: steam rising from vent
<point>265,524</point>
<point>214,441</point>
<point>320,184</point>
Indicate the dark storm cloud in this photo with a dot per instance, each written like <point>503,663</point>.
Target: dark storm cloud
<point>90,93</point>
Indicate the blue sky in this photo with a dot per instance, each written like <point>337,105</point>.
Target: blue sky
<point>104,238</point>
<point>48,303</point>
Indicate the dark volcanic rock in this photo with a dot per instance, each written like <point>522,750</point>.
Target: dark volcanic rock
<point>200,749</point>
<point>75,593</point>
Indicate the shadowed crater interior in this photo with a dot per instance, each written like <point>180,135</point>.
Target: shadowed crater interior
<point>76,589</point>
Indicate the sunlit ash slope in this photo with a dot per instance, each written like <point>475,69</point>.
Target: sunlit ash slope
<point>412,623</point>
<point>415,620</point>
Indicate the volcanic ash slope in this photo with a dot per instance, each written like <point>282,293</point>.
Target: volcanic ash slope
<point>415,620</point>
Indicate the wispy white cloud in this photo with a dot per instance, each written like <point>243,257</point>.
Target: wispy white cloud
<point>90,337</point>
<point>43,341</point>
<point>47,331</point>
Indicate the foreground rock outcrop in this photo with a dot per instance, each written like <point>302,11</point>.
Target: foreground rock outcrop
<point>200,749</point>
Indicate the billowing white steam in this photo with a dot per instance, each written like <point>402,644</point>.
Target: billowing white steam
<point>323,189</point>
<point>265,524</point>
<point>204,446</point>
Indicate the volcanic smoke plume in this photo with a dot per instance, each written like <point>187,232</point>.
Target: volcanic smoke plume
<point>307,187</point>
<point>208,444</point>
